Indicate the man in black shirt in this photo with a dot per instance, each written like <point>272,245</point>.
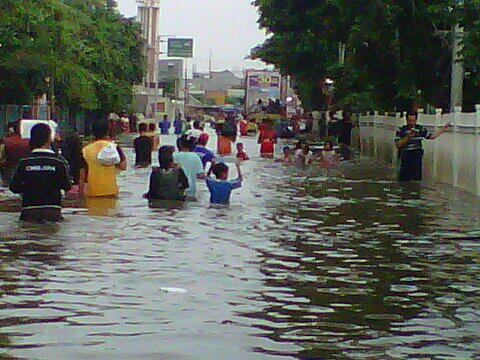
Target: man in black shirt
<point>143,147</point>
<point>39,177</point>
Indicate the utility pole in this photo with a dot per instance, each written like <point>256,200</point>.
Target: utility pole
<point>210,64</point>
<point>458,70</point>
<point>185,90</point>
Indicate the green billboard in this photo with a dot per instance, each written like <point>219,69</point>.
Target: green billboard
<point>180,48</point>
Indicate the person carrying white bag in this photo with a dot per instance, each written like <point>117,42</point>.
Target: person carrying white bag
<point>104,158</point>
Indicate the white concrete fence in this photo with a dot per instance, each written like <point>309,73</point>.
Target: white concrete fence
<point>453,158</point>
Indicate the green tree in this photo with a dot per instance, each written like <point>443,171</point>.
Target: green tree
<point>83,50</point>
<point>397,52</point>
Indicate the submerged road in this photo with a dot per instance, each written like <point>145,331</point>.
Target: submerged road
<point>300,266</point>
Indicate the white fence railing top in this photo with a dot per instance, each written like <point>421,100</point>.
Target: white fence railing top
<point>459,119</point>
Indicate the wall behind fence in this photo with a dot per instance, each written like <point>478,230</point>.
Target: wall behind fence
<point>453,158</point>
<point>67,122</point>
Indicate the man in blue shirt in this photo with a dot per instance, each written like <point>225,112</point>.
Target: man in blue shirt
<point>205,154</point>
<point>221,188</point>
<point>164,125</point>
<point>408,140</point>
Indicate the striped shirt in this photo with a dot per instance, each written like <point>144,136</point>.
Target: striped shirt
<point>414,143</point>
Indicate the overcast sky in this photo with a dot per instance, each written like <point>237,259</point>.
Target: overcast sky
<point>227,27</point>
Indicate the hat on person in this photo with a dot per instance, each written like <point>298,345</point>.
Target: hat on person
<point>203,137</point>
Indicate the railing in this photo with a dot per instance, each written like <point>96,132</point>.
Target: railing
<point>66,121</point>
<point>453,158</point>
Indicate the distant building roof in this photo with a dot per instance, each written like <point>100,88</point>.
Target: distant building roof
<point>216,80</point>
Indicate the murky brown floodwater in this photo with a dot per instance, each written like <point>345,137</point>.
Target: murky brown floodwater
<point>299,267</point>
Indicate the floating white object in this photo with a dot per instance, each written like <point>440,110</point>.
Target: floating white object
<point>173,290</point>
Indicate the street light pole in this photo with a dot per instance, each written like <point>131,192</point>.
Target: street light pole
<point>328,88</point>
<point>185,90</point>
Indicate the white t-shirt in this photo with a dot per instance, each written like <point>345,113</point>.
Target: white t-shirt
<point>192,166</point>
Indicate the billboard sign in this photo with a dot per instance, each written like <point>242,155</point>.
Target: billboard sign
<point>180,48</point>
<point>262,84</point>
<point>264,81</point>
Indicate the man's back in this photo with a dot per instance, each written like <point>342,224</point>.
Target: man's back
<point>167,184</point>
<point>40,177</point>
<point>192,166</point>
<point>220,190</point>
<point>143,150</point>
<point>205,154</point>
<point>101,178</point>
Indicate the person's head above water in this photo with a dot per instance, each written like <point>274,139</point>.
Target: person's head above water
<point>100,130</point>
<point>165,156</point>
<point>306,149</point>
<point>202,139</point>
<point>328,146</point>
<point>14,127</point>
<point>40,136</point>
<point>186,143</point>
<point>220,170</point>
<point>197,125</point>
<point>143,128</point>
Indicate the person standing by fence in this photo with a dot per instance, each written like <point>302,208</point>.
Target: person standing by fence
<point>408,140</point>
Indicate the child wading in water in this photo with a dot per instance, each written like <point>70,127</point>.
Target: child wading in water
<point>167,182</point>
<point>221,188</point>
<point>267,139</point>
<point>329,157</point>
<point>241,154</point>
<point>286,157</point>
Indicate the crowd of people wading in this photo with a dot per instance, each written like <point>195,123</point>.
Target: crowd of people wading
<point>47,165</point>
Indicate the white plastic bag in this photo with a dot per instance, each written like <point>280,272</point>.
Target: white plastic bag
<point>109,155</point>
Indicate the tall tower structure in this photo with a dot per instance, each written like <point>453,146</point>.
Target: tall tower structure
<point>149,17</point>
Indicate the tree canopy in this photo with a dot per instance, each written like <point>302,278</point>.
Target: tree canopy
<point>85,49</point>
<point>397,52</point>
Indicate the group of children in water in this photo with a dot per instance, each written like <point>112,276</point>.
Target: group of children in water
<point>303,154</point>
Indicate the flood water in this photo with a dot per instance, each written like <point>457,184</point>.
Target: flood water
<point>300,266</point>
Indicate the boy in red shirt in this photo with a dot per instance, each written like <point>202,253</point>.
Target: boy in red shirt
<point>241,154</point>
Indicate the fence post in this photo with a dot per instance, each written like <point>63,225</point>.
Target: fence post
<point>3,119</point>
<point>477,164</point>
<point>360,133</point>
<point>456,123</point>
<point>396,122</point>
<point>376,119</point>
<point>438,121</point>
